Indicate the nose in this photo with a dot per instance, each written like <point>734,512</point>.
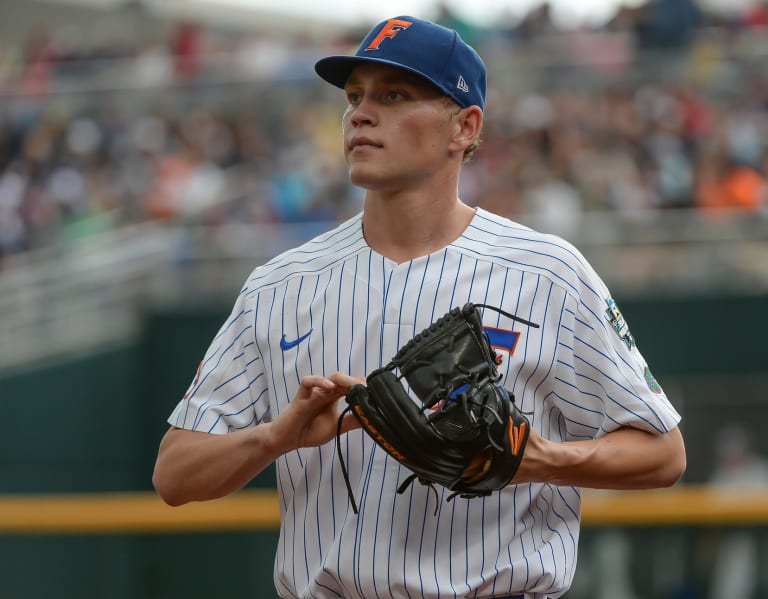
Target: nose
<point>362,113</point>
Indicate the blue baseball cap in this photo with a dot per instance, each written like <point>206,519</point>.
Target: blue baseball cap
<point>434,52</point>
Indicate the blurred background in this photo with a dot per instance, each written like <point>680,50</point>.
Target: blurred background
<point>153,153</point>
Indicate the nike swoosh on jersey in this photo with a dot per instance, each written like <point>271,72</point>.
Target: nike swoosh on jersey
<point>286,345</point>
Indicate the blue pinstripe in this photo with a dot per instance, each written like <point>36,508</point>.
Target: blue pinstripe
<point>564,375</point>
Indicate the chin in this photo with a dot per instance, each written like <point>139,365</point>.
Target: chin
<point>364,178</point>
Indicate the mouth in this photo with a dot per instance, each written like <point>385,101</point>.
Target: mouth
<point>358,144</point>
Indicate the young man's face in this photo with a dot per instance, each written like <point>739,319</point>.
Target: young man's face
<point>397,128</point>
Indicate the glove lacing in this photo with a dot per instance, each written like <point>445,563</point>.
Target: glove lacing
<point>508,315</point>
<point>401,489</point>
<point>341,459</point>
<point>427,483</point>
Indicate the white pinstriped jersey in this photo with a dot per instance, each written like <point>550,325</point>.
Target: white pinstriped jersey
<point>333,304</point>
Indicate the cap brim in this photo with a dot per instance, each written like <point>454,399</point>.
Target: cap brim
<point>336,69</point>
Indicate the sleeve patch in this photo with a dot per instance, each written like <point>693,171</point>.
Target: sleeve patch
<point>651,381</point>
<point>618,323</point>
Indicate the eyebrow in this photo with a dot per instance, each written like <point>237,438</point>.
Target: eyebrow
<point>402,77</point>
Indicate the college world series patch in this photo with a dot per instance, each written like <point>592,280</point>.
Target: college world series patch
<point>618,323</point>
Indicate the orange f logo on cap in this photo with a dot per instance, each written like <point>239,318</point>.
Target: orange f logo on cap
<point>391,29</point>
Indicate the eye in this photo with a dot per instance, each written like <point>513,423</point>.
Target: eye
<point>353,97</point>
<point>393,95</point>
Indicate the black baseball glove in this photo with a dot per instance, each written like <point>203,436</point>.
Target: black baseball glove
<point>465,432</point>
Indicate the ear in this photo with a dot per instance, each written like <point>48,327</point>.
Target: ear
<point>467,127</point>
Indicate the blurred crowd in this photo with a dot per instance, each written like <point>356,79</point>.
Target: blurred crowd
<point>653,111</point>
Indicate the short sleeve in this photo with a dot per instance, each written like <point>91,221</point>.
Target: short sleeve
<point>229,390</point>
<point>604,381</point>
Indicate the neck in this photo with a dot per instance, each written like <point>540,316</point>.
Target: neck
<point>402,227</point>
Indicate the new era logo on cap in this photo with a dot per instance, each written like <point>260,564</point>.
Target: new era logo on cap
<point>430,50</point>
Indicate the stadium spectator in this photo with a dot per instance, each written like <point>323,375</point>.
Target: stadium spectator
<point>613,141</point>
<point>757,15</point>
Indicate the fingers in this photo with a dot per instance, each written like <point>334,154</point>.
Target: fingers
<point>316,387</point>
<point>312,381</point>
<point>337,379</point>
<point>345,381</point>
<point>312,418</point>
<point>326,389</point>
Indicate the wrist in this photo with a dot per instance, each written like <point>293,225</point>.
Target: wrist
<point>548,461</point>
<point>264,441</point>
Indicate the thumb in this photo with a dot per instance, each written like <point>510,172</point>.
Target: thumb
<point>349,422</point>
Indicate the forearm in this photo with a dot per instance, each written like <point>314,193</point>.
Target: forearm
<point>195,466</point>
<point>625,459</point>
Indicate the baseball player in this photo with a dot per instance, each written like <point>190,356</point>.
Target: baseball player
<point>314,321</point>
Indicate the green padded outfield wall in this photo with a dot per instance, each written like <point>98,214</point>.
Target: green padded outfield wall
<point>93,424</point>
